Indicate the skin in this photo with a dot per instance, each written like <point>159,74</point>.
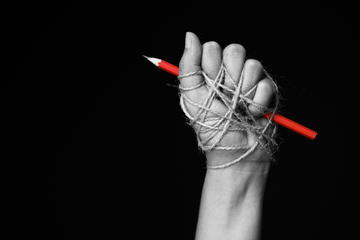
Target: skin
<point>231,201</point>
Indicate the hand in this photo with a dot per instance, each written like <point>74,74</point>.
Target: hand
<point>208,58</point>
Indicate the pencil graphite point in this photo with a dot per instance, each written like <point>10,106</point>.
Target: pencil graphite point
<point>155,61</point>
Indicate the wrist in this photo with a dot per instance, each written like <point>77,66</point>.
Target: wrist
<point>232,198</point>
<point>257,161</point>
<point>246,178</point>
<point>240,180</point>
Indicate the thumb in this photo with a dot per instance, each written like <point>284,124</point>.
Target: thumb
<point>190,63</point>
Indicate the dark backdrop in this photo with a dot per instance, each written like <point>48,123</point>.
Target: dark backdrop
<point>96,145</point>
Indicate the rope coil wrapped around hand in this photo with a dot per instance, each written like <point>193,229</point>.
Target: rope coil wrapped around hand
<point>237,117</point>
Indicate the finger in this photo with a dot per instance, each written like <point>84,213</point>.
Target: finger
<point>211,59</point>
<point>252,73</point>
<point>234,57</point>
<point>190,62</point>
<point>264,92</point>
<point>211,64</point>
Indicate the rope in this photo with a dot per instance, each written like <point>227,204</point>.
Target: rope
<point>238,118</point>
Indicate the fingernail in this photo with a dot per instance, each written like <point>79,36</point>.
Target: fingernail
<point>187,40</point>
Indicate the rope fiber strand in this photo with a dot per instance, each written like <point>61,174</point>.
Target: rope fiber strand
<point>237,118</point>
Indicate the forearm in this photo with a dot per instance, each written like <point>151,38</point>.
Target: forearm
<point>231,202</point>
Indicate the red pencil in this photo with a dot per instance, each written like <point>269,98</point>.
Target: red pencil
<point>281,120</point>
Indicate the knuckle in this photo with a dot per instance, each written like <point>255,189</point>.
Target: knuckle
<point>211,44</point>
<point>253,63</point>
<point>235,49</point>
<point>266,85</point>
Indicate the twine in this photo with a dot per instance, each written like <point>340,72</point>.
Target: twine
<point>237,118</point>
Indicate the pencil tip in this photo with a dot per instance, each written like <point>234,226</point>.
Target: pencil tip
<point>155,61</point>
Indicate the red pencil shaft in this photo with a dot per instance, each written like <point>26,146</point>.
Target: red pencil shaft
<point>294,126</point>
<point>281,120</point>
<point>168,67</point>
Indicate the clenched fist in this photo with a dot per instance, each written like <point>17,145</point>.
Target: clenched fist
<point>225,96</point>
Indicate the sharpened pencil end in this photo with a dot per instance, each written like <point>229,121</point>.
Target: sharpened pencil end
<point>155,61</point>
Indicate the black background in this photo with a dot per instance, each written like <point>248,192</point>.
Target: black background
<point>95,144</point>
